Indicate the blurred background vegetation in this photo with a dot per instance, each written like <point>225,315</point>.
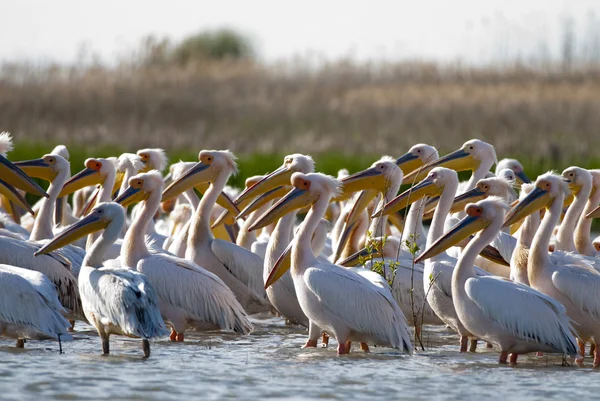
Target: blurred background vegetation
<point>210,90</point>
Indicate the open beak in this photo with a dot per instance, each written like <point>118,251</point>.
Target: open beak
<point>14,176</point>
<point>472,196</point>
<point>282,265</point>
<point>459,160</point>
<point>424,188</point>
<point>277,178</point>
<point>295,199</point>
<point>594,214</point>
<point>408,163</point>
<point>523,177</point>
<point>83,227</point>
<point>537,199</point>
<point>198,174</point>
<point>261,200</point>
<point>465,228</point>
<point>131,196</point>
<point>86,177</point>
<point>11,194</point>
<point>37,168</point>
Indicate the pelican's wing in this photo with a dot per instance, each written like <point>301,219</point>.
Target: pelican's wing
<point>365,307</point>
<point>124,298</point>
<point>522,311</point>
<point>22,304</point>
<point>202,294</point>
<point>41,283</point>
<point>581,287</point>
<point>505,244</point>
<point>242,263</point>
<point>561,258</point>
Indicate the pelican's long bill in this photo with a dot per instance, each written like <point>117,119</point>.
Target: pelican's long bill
<point>537,199</point>
<point>459,160</point>
<point>594,214</point>
<point>37,168</point>
<point>468,226</point>
<point>15,177</point>
<point>261,200</point>
<point>14,196</point>
<point>282,265</point>
<point>461,201</point>
<point>522,177</point>
<point>131,195</point>
<point>88,225</point>
<point>363,200</point>
<point>194,176</point>
<point>277,178</point>
<point>295,199</point>
<point>424,188</point>
<point>371,178</point>
<point>408,162</point>
<point>89,176</point>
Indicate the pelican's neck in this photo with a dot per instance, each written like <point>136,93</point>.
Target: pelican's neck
<point>279,240</point>
<point>564,236</point>
<point>200,233</point>
<point>479,174</point>
<point>583,240</point>
<point>436,230</point>
<point>42,227</point>
<point>413,226</point>
<point>95,255</point>
<point>192,198</point>
<point>134,244</point>
<point>302,253</point>
<point>518,261</point>
<point>538,255</point>
<point>104,195</point>
<point>464,268</point>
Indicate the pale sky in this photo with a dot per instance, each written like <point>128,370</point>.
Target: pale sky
<point>471,30</point>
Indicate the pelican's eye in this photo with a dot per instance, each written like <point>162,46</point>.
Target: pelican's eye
<point>51,160</point>
<point>381,166</point>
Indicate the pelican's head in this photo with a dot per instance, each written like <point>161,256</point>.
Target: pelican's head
<point>13,175</point>
<point>291,164</point>
<point>493,186</point>
<point>417,156</point>
<point>547,188</point>
<point>61,150</point>
<point>46,168</point>
<point>153,159</point>
<point>480,215</point>
<point>515,166</point>
<point>507,174</point>
<point>307,189</point>
<point>140,188</point>
<point>95,172</point>
<point>211,164</point>
<point>379,176</point>
<point>433,185</point>
<point>577,178</point>
<point>470,156</point>
<point>98,219</point>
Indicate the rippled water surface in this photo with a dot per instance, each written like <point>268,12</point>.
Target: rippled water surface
<point>270,364</point>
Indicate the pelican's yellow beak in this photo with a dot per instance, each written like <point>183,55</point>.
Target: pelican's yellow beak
<point>13,175</point>
<point>89,176</point>
<point>199,174</point>
<point>363,200</point>
<point>461,201</point>
<point>279,177</point>
<point>295,199</point>
<point>343,238</point>
<point>521,176</point>
<point>132,195</point>
<point>569,199</point>
<point>459,160</point>
<point>83,227</point>
<point>425,188</point>
<point>468,226</point>
<point>408,163</point>
<point>371,178</point>
<point>37,168</point>
<point>261,200</point>
<point>537,199</point>
<point>226,218</point>
<point>282,265</point>
<point>11,194</point>
<point>594,214</point>
<point>367,253</point>
<point>118,181</point>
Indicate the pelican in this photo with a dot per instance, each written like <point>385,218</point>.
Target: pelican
<point>583,241</point>
<point>573,285</point>
<point>580,182</point>
<point>339,301</point>
<point>512,316</point>
<point>188,294</point>
<point>520,254</point>
<point>515,166</point>
<point>240,269</point>
<point>153,159</point>
<point>115,300</point>
<point>29,306</point>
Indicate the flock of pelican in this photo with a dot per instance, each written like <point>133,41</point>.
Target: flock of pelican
<point>505,261</point>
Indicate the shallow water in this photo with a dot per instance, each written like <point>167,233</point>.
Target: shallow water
<point>270,364</point>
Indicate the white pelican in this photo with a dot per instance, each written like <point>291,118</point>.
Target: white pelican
<point>512,316</point>
<point>580,183</point>
<point>573,285</point>
<point>153,159</point>
<point>240,269</point>
<point>29,306</point>
<point>13,175</point>
<point>515,166</point>
<point>339,301</point>
<point>583,241</point>
<point>520,254</point>
<point>115,300</point>
<point>188,294</point>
